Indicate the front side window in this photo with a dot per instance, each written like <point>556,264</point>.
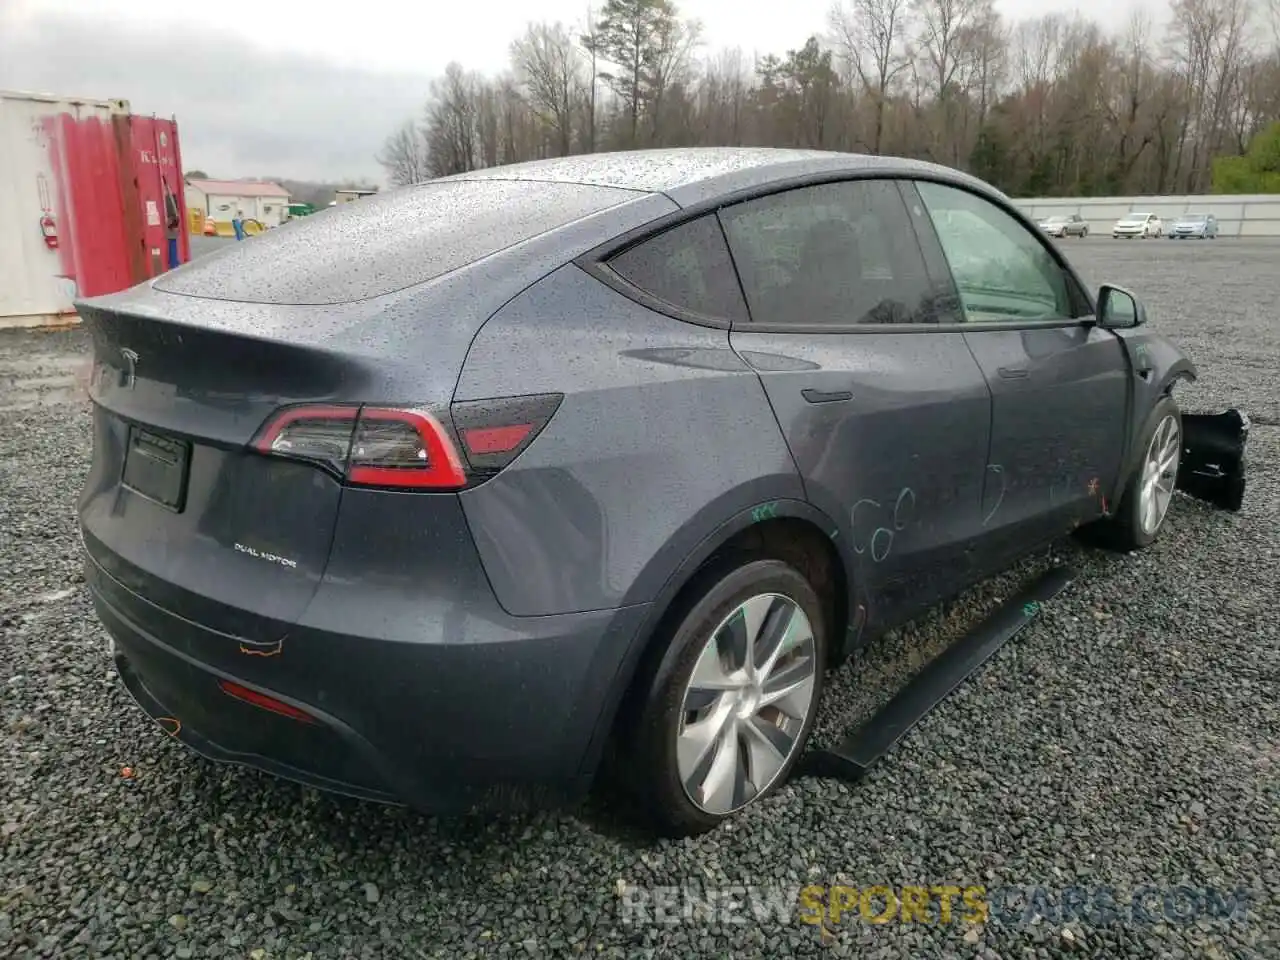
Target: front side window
<point>1002,271</point>
<point>688,267</point>
<point>834,254</point>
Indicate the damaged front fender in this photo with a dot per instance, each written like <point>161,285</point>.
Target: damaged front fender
<point>1213,457</point>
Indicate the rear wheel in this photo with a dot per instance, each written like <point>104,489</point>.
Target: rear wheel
<point>730,707</point>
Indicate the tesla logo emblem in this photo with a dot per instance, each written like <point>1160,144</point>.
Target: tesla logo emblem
<point>130,368</point>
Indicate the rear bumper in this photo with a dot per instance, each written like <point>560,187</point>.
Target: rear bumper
<point>492,713</point>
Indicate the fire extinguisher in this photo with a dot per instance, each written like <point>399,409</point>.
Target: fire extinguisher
<point>50,231</point>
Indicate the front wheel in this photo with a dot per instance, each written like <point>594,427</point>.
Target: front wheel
<point>730,707</point>
<point>1145,504</point>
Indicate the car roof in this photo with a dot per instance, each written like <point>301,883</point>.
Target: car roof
<point>693,174</point>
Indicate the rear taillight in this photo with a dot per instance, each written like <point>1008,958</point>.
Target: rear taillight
<point>318,434</point>
<point>403,448</point>
<point>409,448</point>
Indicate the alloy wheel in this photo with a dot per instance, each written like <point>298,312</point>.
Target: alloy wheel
<point>746,704</point>
<point>1159,474</point>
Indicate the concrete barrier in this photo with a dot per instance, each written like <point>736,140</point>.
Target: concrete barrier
<point>1245,215</point>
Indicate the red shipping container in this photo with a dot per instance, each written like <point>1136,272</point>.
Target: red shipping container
<point>91,202</point>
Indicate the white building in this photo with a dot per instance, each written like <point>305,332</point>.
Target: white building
<point>346,196</point>
<point>222,199</point>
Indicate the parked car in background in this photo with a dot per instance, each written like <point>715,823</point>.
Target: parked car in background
<point>1141,225</point>
<point>651,457</point>
<point>1069,225</point>
<point>1198,226</point>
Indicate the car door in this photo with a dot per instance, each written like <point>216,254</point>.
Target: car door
<point>1059,383</point>
<point>887,418</point>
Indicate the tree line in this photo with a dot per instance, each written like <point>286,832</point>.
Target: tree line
<point>1047,106</point>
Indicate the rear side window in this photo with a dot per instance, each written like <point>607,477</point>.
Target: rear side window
<point>687,267</point>
<point>387,242</point>
<point>832,254</point>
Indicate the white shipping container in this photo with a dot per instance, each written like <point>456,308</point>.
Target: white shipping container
<point>35,288</point>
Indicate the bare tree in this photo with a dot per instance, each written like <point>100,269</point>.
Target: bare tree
<point>452,114</point>
<point>723,97</point>
<point>984,46</point>
<point>670,64</point>
<point>405,156</point>
<point>1206,43</point>
<point>946,50</point>
<point>547,64</point>
<point>942,25</point>
<point>870,35</point>
<point>589,40</point>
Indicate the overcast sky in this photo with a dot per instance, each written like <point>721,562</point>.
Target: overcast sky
<point>310,90</point>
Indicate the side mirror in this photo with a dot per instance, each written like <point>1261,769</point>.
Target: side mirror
<point>1119,308</point>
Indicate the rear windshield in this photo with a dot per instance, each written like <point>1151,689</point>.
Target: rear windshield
<point>387,242</point>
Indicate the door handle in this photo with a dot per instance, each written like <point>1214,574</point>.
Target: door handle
<point>825,396</point>
<point>1013,373</point>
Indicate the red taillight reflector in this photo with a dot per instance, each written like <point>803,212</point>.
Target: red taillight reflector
<point>261,700</point>
<point>484,440</point>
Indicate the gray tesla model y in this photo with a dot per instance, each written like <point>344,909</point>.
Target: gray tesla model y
<point>436,497</point>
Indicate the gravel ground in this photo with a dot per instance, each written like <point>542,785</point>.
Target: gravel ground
<point>1129,736</point>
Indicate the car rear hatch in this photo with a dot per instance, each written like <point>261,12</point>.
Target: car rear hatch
<point>178,507</point>
<point>365,305</point>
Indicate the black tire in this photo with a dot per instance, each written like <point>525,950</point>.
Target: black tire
<point>1122,531</point>
<point>648,764</point>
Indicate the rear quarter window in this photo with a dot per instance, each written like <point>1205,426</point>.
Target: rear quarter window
<point>387,242</point>
<point>687,267</point>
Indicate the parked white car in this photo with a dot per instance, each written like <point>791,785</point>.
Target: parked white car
<point>1136,224</point>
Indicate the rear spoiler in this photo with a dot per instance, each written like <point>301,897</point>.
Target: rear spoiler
<point>1213,462</point>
